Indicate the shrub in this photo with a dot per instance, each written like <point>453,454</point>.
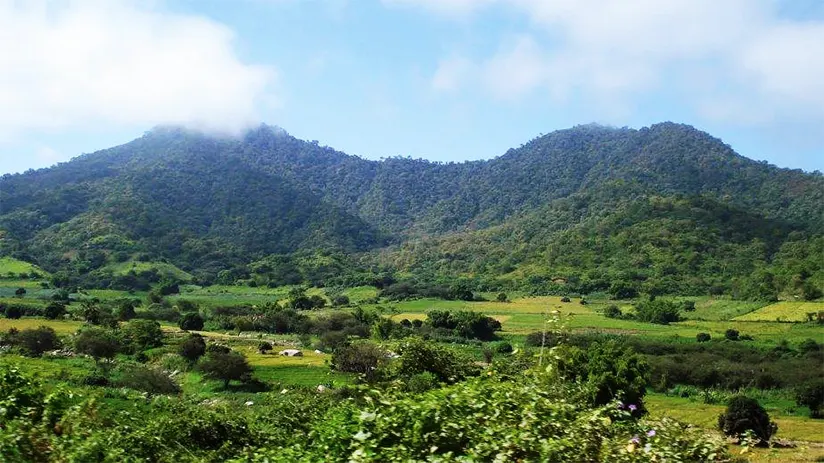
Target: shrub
<point>264,347</point>
<point>143,334</point>
<point>340,300</point>
<point>146,379</point>
<point>97,342</point>
<point>125,311</point>
<point>34,342</point>
<point>366,359</point>
<point>565,299</point>
<point>731,335</point>
<point>54,310</point>
<point>332,340</point>
<point>613,311</point>
<point>657,311</point>
<point>13,312</point>
<point>688,306</point>
<point>811,395</point>
<point>608,370</point>
<point>502,297</point>
<point>20,394</point>
<point>743,414</point>
<point>465,323</point>
<point>192,348</point>
<point>191,321</point>
<point>418,356</point>
<point>421,382</point>
<point>504,347</point>
<point>225,367</point>
<point>809,346</point>
<point>703,337</point>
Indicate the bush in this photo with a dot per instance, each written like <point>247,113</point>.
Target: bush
<point>608,370</point>
<point>703,337</point>
<point>502,297</point>
<point>191,321</point>
<point>340,301</point>
<point>731,335</point>
<point>125,311</point>
<point>34,342</point>
<point>745,414</point>
<point>565,299</point>
<point>54,310</point>
<point>613,311</point>
<point>143,334</point>
<point>366,359</point>
<point>657,311</point>
<point>192,348</point>
<point>465,323</point>
<point>145,379</point>
<point>418,356</point>
<point>264,347</point>
<point>13,312</point>
<point>225,367</point>
<point>332,340</point>
<point>504,347</point>
<point>97,342</point>
<point>811,395</point>
<point>421,382</point>
<point>688,306</point>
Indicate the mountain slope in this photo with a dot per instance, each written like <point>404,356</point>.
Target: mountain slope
<point>208,204</point>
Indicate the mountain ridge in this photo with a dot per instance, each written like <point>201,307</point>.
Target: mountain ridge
<point>211,204</point>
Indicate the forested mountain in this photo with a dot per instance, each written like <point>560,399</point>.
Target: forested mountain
<point>661,209</point>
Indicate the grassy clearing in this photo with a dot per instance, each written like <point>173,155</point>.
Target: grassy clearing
<point>783,311</point>
<point>12,265</point>
<point>60,326</point>
<point>795,428</point>
<point>719,309</point>
<point>164,269</point>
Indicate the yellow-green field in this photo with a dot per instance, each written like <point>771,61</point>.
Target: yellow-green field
<point>807,434</point>
<point>523,316</point>
<point>60,326</point>
<point>783,312</point>
<point>163,268</point>
<point>10,264</point>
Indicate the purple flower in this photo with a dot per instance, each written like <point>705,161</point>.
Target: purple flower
<point>651,433</point>
<point>635,440</point>
<point>633,407</point>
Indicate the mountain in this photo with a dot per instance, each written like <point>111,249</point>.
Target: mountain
<point>661,209</point>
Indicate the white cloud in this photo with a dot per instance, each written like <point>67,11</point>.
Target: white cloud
<point>451,73</point>
<point>448,7</point>
<point>761,65</point>
<point>69,64</point>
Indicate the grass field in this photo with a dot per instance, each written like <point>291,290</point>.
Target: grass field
<point>12,265</point>
<point>62,327</point>
<point>808,434</point>
<point>163,268</point>
<point>783,312</point>
<point>523,316</point>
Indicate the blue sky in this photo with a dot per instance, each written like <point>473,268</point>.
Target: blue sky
<point>445,80</point>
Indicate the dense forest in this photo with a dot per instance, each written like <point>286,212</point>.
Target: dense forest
<point>661,210</point>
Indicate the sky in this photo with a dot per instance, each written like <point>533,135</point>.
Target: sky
<point>444,80</point>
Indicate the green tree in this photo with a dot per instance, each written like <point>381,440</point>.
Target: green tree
<point>225,367</point>
<point>98,343</point>
<point>746,414</point>
<point>192,348</point>
<point>191,321</point>
<point>811,395</point>
<point>54,310</point>
<point>143,334</point>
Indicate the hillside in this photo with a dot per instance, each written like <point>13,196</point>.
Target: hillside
<point>665,208</point>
